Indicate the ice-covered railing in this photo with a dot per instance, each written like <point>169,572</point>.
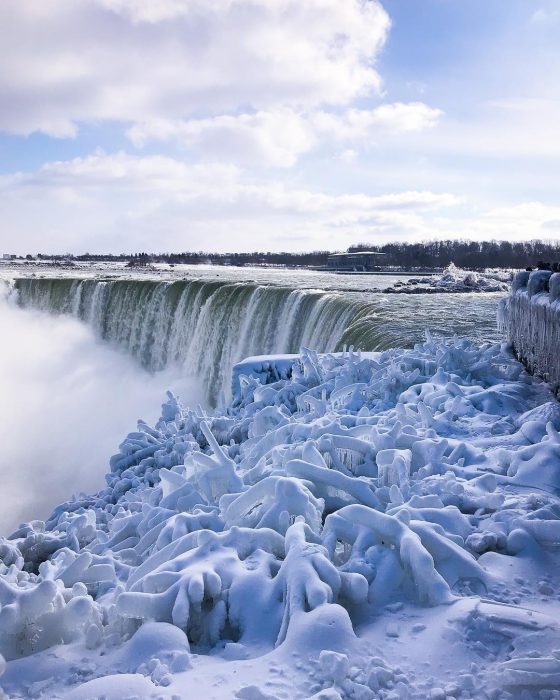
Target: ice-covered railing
<point>530,318</point>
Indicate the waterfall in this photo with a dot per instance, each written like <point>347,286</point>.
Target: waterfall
<point>207,326</point>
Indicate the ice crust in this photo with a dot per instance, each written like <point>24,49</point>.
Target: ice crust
<point>331,492</point>
<point>530,317</point>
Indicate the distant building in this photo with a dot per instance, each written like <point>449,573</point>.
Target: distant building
<point>361,261</point>
<point>7,256</point>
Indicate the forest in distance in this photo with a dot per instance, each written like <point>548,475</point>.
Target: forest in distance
<point>470,255</point>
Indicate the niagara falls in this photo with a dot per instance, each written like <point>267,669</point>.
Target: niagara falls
<point>279,350</point>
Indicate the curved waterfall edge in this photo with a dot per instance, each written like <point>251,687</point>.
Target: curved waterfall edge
<point>206,327</point>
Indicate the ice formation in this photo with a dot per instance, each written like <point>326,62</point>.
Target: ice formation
<point>453,280</point>
<point>530,317</point>
<point>344,520</point>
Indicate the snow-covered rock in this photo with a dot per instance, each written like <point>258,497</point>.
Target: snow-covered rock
<point>453,280</point>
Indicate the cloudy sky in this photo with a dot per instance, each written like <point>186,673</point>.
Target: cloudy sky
<point>276,124</point>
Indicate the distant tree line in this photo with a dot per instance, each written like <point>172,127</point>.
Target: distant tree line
<point>472,255</point>
<point>312,259</point>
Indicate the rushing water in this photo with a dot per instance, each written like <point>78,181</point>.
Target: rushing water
<point>205,325</point>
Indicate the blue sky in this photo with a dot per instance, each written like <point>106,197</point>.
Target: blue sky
<point>276,124</point>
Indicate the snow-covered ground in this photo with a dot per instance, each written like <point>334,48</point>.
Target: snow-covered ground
<point>453,280</point>
<point>358,527</point>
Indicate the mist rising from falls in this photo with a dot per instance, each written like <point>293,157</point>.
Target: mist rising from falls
<point>66,401</point>
<point>207,326</point>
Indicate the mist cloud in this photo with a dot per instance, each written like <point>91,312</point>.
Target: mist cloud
<point>66,402</point>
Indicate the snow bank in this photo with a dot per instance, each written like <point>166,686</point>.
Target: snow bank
<point>453,280</point>
<point>332,493</point>
<point>530,317</point>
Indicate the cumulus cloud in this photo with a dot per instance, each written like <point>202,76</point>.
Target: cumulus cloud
<point>66,62</point>
<point>256,82</point>
<point>278,138</point>
<point>264,138</point>
<point>396,118</point>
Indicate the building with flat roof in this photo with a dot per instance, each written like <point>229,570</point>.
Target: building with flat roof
<point>360,261</point>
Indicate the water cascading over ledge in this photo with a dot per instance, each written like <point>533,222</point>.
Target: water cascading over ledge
<point>207,326</point>
<point>530,318</point>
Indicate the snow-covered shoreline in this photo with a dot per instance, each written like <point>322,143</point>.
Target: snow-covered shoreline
<point>365,527</point>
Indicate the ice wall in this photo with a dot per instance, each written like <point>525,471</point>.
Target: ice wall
<point>530,317</point>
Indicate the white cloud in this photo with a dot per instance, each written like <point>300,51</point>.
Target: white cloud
<point>546,15</point>
<point>278,138</point>
<point>519,129</point>
<point>122,202</point>
<point>264,138</point>
<point>393,118</point>
<point>66,62</point>
<point>125,202</point>
<point>523,217</point>
<point>518,222</point>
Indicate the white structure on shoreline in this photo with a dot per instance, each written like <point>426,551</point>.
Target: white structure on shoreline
<point>359,261</point>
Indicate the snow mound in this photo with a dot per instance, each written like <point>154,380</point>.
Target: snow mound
<point>342,488</point>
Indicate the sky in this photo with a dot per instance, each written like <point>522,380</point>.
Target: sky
<point>242,125</point>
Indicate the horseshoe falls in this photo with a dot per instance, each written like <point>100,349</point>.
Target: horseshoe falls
<point>205,327</point>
